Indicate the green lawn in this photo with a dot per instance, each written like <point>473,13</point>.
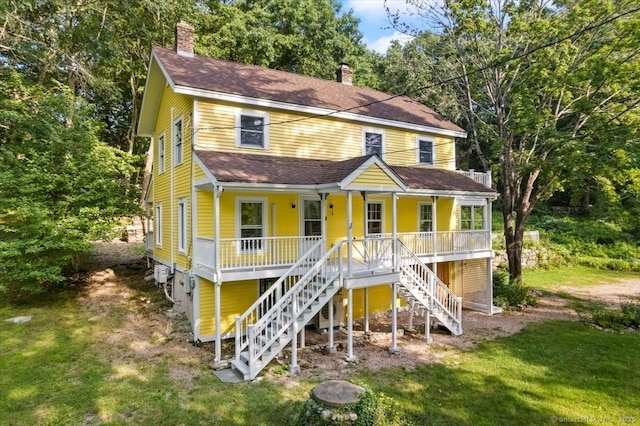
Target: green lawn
<point>60,369</point>
<point>575,276</point>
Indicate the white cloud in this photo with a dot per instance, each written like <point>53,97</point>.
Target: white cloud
<point>381,44</point>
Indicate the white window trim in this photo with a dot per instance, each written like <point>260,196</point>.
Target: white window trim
<point>265,221</point>
<point>382,216</point>
<point>158,223</point>
<point>182,225</point>
<point>175,141</point>
<point>430,204</point>
<point>162,153</point>
<point>433,150</point>
<point>366,130</point>
<point>472,206</point>
<point>265,132</point>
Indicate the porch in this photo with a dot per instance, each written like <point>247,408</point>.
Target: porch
<point>241,258</point>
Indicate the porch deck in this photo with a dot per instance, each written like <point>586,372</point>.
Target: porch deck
<point>264,256</point>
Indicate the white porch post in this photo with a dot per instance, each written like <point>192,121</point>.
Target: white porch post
<point>332,347</point>
<point>349,234</point>
<point>487,226</point>
<point>427,327</point>
<point>394,319</point>
<point>394,229</point>
<point>434,223</point>
<point>350,357</point>
<point>366,309</point>
<point>410,326</point>
<point>294,368</point>
<point>217,192</point>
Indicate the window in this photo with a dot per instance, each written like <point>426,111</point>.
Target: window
<point>425,218</point>
<point>158,221</point>
<point>161,164</point>
<point>374,218</point>
<point>182,225</point>
<point>252,224</point>
<point>252,130</point>
<point>373,143</point>
<point>177,141</point>
<point>425,152</point>
<point>471,217</point>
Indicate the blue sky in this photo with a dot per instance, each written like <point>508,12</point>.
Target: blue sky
<point>374,23</point>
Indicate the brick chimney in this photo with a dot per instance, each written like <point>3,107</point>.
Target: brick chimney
<point>184,39</point>
<point>343,74</point>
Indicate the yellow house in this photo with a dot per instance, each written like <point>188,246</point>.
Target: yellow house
<point>281,201</point>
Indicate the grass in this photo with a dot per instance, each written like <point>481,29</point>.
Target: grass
<point>574,276</point>
<point>60,369</point>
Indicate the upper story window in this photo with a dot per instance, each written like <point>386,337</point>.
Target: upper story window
<point>373,142</point>
<point>471,217</point>
<point>426,153</point>
<point>251,223</point>
<point>178,139</point>
<point>161,153</point>
<point>252,130</point>
<point>374,217</point>
<point>425,218</point>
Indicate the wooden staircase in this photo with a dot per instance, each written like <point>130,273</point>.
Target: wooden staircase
<point>261,335</point>
<point>421,288</point>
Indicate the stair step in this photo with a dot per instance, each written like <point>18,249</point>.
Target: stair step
<point>242,368</point>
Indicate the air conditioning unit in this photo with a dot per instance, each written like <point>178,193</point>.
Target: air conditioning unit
<point>322,319</point>
<point>161,273</point>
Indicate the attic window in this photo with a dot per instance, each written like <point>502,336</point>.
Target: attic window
<point>252,130</point>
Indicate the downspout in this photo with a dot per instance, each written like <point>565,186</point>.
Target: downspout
<point>171,195</point>
<point>217,192</point>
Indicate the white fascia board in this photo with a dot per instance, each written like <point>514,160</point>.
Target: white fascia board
<point>270,187</point>
<point>316,111</point>
<point>371,161</point>
<point>440,193</point>
<point>150,98</point>
<point>205,169</point>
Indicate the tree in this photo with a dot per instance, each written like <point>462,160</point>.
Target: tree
<point>536,84</point>
<point>60,187</point>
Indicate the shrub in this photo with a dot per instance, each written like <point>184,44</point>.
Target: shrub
<point>371,410</point>
<point>628,316</point>
<point>508,294</point>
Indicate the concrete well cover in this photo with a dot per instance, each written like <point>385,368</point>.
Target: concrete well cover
<point>336,393</point>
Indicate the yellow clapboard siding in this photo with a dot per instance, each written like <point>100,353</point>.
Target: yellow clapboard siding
<point>205,214</point>
<point>314,137</point>
<point>374,177</point>
<point>235,298</point>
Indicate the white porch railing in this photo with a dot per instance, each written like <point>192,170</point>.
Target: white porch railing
<point>370,254</point>
<point>445,242</point>
<point>252,253</point>
<point>480,177</point>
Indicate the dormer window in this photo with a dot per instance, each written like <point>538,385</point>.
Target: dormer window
<point>373,142</point>
<point>252,130</point>
<point>426,154</point>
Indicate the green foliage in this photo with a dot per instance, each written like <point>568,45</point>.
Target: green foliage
<point>628,316</point>
<point>59,186</point>
<point>371,410</point>
<point>510,295</point>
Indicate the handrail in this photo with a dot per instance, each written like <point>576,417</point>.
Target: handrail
<point>282,315</point>
<point>438,292</point>
<point>273,294</point>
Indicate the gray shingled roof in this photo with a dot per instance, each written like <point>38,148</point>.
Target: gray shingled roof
<point>251,81</point>
<point>253,168</point>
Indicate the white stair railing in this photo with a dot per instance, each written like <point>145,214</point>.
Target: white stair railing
<point>274,293</point>
<point>441,302</point>
<point>294,304</point>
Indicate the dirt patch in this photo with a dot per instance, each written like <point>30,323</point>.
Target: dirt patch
<point>142,327</point>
